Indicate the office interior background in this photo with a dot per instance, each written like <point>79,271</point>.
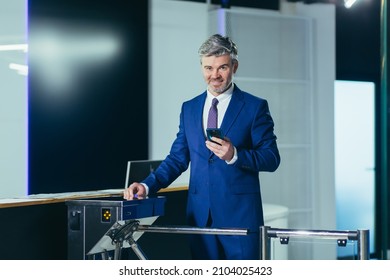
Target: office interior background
<point>105,83</point>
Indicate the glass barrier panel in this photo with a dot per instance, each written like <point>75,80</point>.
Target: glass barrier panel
<point>313,249</point>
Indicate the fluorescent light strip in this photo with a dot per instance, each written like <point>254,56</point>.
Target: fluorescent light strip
<point>21,69</point>
<point>16,47</point>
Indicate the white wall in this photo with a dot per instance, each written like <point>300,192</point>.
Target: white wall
<point>13,101</point>
<point>324,72</point>
<point>178,28</point>
<point>324,75</point>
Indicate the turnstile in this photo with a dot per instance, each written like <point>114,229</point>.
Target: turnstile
<point>92,221</point>
<point>104,227</point>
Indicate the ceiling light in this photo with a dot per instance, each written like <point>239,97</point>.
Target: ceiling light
<point>15,47</point>
<point>348,3</point>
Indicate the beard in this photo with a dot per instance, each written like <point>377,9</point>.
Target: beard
<point>222,89</point>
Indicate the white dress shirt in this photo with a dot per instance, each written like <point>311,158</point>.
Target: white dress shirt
<point>223,103</point>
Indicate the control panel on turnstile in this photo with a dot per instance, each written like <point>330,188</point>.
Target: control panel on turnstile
<point>99,227</point>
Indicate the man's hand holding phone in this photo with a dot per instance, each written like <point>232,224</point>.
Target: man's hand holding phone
<point>219,144</point>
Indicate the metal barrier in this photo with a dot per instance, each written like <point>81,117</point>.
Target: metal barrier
<point>123,232</point>
<point>361,236</point>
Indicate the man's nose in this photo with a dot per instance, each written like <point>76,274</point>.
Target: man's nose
<point>215,73</point>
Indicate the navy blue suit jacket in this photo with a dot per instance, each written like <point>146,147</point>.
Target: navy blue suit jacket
<point>231,193</point>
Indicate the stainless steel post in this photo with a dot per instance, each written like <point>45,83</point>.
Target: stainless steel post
<point>118,250</point>
<point>265,243</point>
<point>363,244</point>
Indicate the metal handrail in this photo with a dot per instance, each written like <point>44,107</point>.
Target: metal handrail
<point>266,233</point>
<point>192,230</point>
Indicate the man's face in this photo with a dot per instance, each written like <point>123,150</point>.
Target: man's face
<point>218,72</point>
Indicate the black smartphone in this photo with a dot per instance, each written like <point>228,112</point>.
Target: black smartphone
<point>214,132</point>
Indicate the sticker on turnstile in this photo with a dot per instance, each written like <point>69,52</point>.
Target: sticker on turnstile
<point>106,215</point>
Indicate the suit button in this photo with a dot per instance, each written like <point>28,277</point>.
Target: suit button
<point>211,160</point>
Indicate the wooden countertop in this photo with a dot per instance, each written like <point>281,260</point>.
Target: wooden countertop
<point>38,199</point>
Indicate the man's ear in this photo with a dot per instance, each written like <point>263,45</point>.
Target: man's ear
<point>235,66</point>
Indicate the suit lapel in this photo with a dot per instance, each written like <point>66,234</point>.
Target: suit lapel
<point>197,122</point>
<point>198,114</point>
<point>235,106</point>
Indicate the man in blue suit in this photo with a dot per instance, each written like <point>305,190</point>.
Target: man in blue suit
<point>224,187</point>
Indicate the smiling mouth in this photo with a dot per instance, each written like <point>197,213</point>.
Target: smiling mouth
<point>216,83</point>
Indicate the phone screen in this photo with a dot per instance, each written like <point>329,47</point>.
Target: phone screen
<point>214,132</point>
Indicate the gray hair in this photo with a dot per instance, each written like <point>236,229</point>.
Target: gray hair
<point>217,45</point>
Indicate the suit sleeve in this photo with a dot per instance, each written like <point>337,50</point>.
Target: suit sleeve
<point>263,155</point>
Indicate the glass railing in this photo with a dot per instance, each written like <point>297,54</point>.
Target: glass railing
<point>282,244</point>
